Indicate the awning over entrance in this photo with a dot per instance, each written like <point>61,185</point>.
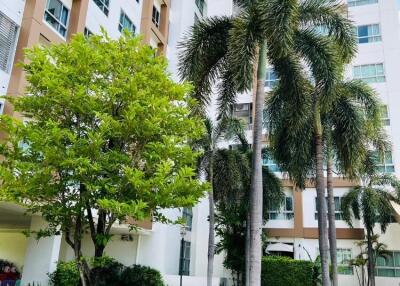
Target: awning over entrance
<point>396,208</point>
<point>279,247</point>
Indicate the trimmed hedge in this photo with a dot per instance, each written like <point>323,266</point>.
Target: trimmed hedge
<point>106,271</point>
<point>284,271</point>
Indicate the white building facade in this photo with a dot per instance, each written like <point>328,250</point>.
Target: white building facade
<point>25,23</point>
<point>293,229</point>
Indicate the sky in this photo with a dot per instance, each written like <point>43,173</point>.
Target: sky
<point>398,3</point>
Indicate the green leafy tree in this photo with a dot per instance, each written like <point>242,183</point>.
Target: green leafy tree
<point>106,137</point>
<point>371,202</point>
<point>231,52</point>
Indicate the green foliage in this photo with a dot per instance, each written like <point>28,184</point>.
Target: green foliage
<point>232,194</point>
<point>107,129</point>
<point>283,271</point>
<point>137,275</point>
<point>106,271</point>
<point>66,274</point>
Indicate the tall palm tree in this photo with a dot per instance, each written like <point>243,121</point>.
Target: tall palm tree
<point>355,102</point>
<point>371,202</point>
<point>227,128</point>
<point>229,52</point>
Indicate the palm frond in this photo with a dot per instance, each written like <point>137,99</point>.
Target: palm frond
<point>279,22</point>
<point>245,36</point>
<point>320,56</point>
<point>332,15</point>
<point>201,55</point>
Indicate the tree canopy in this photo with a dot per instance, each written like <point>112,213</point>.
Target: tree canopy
<point>105,135</point>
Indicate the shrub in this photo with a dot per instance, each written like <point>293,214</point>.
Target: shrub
<point>106,271</point>
<point>138,275</point>
<point>66,274</point>
<point>283,271</point>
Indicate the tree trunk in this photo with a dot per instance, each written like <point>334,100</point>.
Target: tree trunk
<point>322,209</point>
<point>371,259</point>
<point>332,222</point>
<point>99,246</point>
<point>84,271</point>
<point>247,249</point>
<point>256,190</point>
<point>211,236</point>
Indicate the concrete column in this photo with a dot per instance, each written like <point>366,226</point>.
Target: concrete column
<point>41,255</point>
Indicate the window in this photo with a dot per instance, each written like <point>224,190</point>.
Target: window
<point>369,73</point>
<point>270,163</point>
<point>185,259</point>
<point>201,5</point>
<point>368,33</point>
<point>385,115</point>
<point>104,5</point>
<point>283,212</point>
<point>272,78</point>
<point>385,162</point>
<point>56,15</point>
<point>344,257</point>
<point>1,106</point>
<point>353,3</point>
<point>156,17</point>
<point>126,23</point>
<point>388,265</point>
<point>8,38</point>
<point>87,33</point>
<point>338,208</point>
<point>244,112</point>
<point>187,215</point>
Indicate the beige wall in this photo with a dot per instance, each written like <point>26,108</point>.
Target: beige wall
<point>13,247</point>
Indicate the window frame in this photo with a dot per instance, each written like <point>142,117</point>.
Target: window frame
<point>11,42</point>
<point>338,213</point>
<point>54,17</point>
<point>373,38</point>
<point>272,78</point>
<point>395,268</point>
<point>101,4</point>
<point>187,215</point>
<point>185,258</point>
<point>283,213</point>
<point>356,3</point>
<point>360,72</point>
<point>240,114</point>
<point>383,166</point>
<point>120,25</point>
<point>156,16</point>
<point>343,267</point>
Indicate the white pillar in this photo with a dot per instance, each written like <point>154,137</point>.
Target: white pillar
<point>41,256</point>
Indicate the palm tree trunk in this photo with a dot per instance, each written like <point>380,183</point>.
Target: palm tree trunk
<point>371,259</point>
<point>256,190</point>
<point>247,249</point>
<point>211,237</point>
<point>332,222</point>
<point>322,209</point>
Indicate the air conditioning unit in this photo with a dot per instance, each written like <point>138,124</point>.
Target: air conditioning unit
<point>126,237</point>
<point>242,107</point>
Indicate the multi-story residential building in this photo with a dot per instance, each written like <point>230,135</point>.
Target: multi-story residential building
<point>292,229</point>
<point>26,23</point>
